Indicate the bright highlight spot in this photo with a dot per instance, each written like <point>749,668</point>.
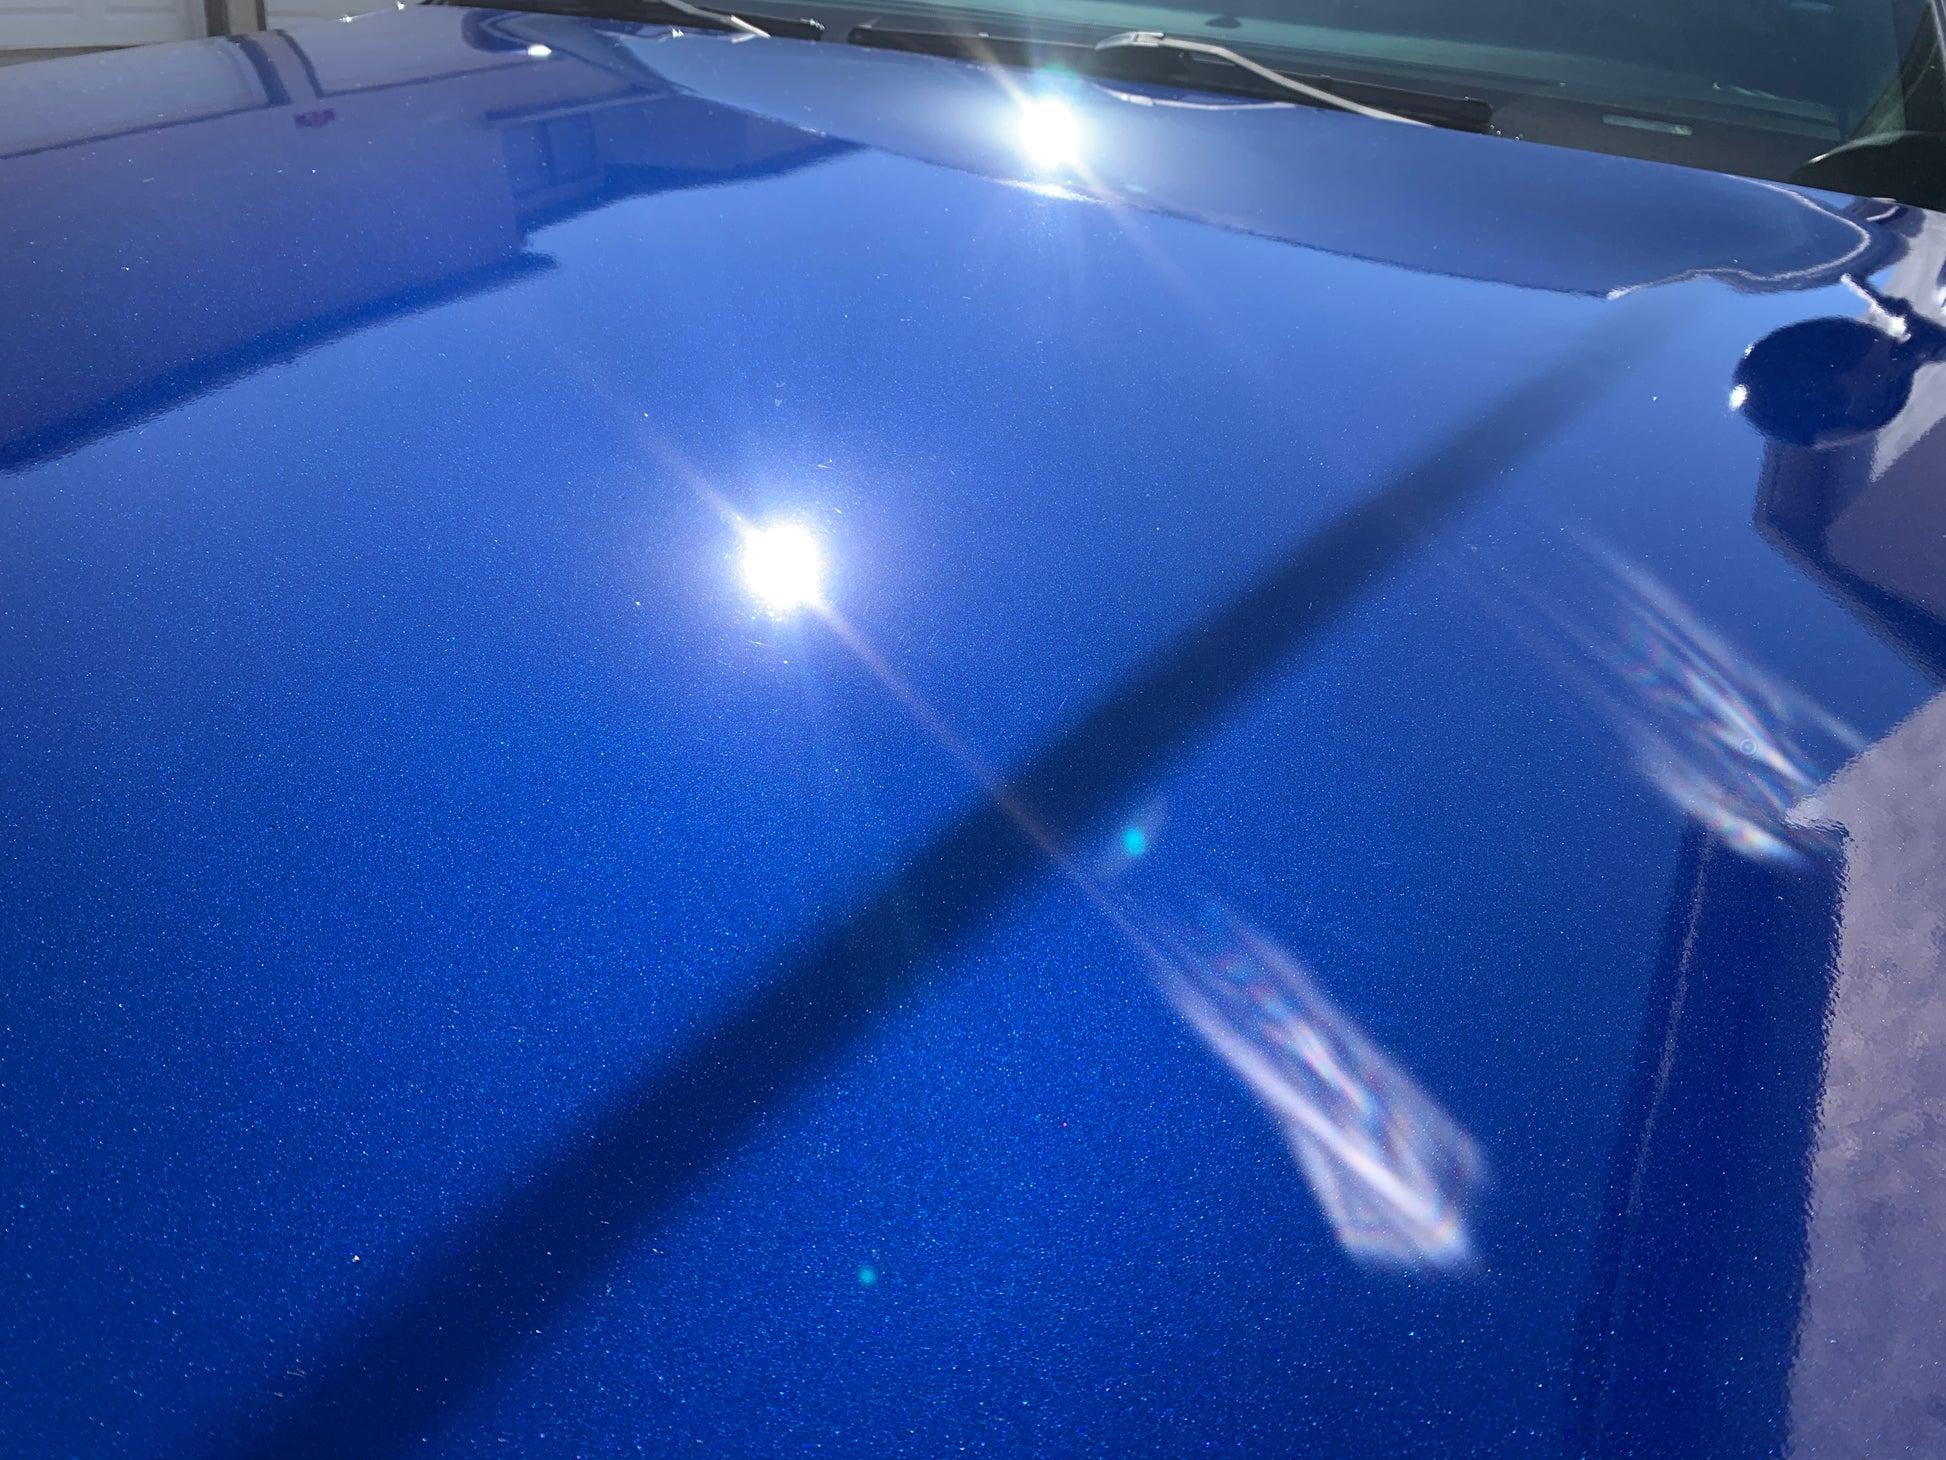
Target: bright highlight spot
<point>540,52</point>
<point>1049,133</point>
<point>783,566</point>
<point>1720,737</point>
<point>1133,840</point>
<point>1393,1172</point>
<point>867,1276</point>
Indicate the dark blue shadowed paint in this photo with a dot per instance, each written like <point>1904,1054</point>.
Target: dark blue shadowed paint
<point>476,981</point>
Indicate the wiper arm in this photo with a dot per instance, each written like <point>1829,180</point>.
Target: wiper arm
<point>1157,40</point>
<point>741,24</point>
<point>723,18</point>
<point>668,12</point>
<point>1243,76</point>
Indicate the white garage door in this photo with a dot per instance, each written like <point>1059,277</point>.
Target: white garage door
<point>98,22</point>
<point>33,23</point>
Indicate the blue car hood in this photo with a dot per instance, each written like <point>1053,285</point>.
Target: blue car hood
<point>1302,624</point>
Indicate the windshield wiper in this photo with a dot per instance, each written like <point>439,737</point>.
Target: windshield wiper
<point>1164,60</point>
<point>741,22</point>
<point>668,12</point>
<point>723,18</point>
<point>1157,40</point>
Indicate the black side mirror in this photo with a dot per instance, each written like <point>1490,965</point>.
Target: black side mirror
<point>1824,382</point>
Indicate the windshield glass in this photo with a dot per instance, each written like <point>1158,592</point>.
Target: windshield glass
<point>1770,90</point>
<point>1826,62</point>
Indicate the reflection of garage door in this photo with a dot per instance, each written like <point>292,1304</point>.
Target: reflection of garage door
<point>29,23</point>
<point>98,22</point>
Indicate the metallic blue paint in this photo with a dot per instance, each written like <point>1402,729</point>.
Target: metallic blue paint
<point>473,977</point>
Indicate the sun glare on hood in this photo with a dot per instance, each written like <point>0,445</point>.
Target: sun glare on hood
<point>1049,133</point>
<point>783,566</point>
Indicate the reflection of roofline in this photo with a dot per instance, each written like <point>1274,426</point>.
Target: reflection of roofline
<point>1880,246</point>
<point>199,377</point>
<point>321,92</point>
<point>275,96</point>
<point>623,181</point>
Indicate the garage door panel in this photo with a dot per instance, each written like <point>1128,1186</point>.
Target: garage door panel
<point>122,91</point>
<point>99,22</point>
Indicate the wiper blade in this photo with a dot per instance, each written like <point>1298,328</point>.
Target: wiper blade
<point>1161,61</point>
<point>667,12</point>
<point>723,18</point>
<point>1157,40</point>
<point>742,22</point>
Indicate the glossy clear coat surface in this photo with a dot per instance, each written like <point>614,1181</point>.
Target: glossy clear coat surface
<point>487,967</point>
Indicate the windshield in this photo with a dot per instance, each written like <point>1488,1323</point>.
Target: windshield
<point>1843,94</point>
<point>1826,62</point>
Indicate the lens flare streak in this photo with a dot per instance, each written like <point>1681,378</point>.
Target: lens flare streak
<point>1392,1171</point>
<point>1050,134</point>
<point>1717,736</point>
<point>783,567</point>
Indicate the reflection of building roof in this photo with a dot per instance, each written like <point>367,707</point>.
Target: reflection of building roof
<point>200,375</point>
<point>249,238</point>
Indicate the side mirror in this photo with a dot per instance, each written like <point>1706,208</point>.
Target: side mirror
<point>1825,382</point>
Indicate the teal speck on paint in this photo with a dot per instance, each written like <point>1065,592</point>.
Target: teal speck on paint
<point>867,1276</point>
<point>1135,841</point>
